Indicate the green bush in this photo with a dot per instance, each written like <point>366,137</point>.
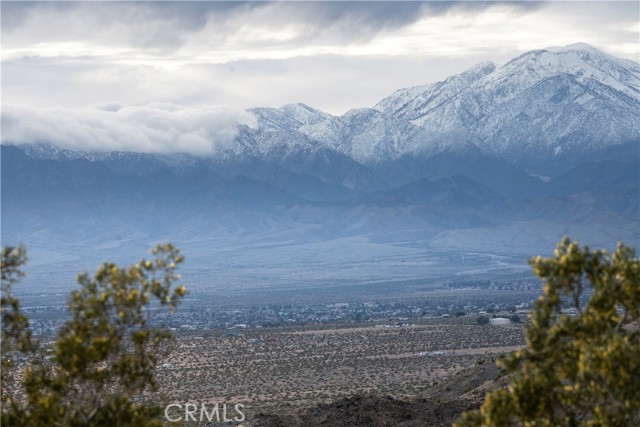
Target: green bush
<point>581,367</point>
<point>482,320</point>
<point>104,357</point>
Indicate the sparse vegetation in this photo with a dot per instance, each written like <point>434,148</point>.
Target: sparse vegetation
<point>515,318</point>
<point>581,366</point>
<point>482,320</point>
<point>104,357</point>
<point>304,366</point>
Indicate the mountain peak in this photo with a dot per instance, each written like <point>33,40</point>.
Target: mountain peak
<point>579,46</point>
<point>299,106</point>
<point>304,113</point>
<point>483,68</point>
<point>580,60</point>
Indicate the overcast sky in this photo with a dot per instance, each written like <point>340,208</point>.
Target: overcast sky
<point>171,61</point>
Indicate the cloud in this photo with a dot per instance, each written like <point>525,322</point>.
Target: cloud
<point>153,128</point>
<point>162,27</point>
<point>152,29</point>
<point>183,33</point>
<point>219,32</point>
<point>148,25</point>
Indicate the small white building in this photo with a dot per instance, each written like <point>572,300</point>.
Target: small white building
<point>432,353</point>
<point>499,321</point>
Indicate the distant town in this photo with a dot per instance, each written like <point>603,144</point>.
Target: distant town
<point>476,299</point>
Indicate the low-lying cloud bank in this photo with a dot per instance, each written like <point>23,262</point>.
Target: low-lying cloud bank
<point>152,128</point>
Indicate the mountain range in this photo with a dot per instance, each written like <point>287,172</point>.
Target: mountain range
<point>498,159</point>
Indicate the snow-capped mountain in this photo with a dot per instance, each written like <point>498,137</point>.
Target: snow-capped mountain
<point>545,112</point>
<point>543,107</point>
<point>416,102</point>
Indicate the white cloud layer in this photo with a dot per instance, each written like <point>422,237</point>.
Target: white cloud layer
<point>215,32</point>
<point>153,128</point>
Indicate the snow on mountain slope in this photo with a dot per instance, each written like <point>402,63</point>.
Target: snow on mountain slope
<point>581,61</point>
<point>546,104</point>
<point>414,102</point>
<point>367,135</point>
<point>544,109</point>
<point>540,106</point>
<point>560,117</point>
<point>304,114</point>
<point>289,117</point>
<point>624,71</point>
